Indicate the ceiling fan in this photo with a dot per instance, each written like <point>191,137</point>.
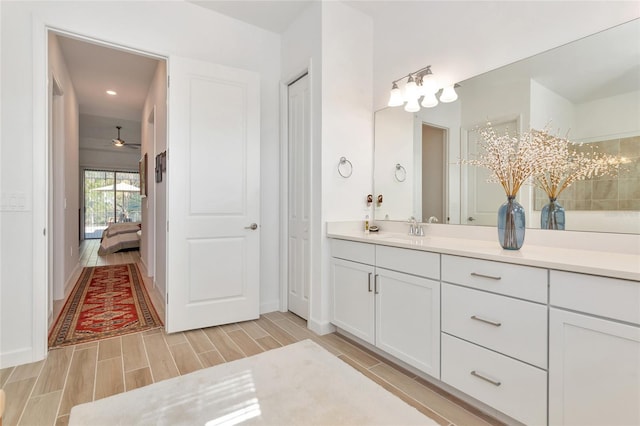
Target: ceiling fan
<point>119,142</point>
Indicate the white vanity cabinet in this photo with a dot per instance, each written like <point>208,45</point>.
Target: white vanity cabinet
<point>542,336</point>
<point>494,335</point>
<point>398,312</point>
<point>352,298</point>
<point>594,350</point>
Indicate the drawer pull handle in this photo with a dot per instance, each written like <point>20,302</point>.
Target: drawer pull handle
<point>376,285</point>
<point>486,321</point>
<point>369,282</point>
<point>485,378</point>
<point>491,277</point>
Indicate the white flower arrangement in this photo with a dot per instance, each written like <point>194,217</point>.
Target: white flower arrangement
<point>563,162</point>
<point>553,163</point>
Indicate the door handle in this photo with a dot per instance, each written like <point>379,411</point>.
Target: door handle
<point>253,226</point>
<point>471,218</point>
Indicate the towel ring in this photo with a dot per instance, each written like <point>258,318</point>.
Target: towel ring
<point>345,168</point>
<point>400,173</point>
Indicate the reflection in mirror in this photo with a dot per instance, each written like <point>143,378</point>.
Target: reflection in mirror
<point>423,146</point>
<point>588,90</point>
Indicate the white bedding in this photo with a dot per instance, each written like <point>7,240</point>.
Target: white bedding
<point>120,236</point>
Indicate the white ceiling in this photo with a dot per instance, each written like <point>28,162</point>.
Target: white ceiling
<point>271,15</point>
<point>94,69</point>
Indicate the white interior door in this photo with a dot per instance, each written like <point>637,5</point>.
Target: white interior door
<point>483,198</point>
<point>299,208</point>
<point>213,178</point>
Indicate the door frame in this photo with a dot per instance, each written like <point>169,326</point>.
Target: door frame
<point>41,234</point>
<point>284,186</point>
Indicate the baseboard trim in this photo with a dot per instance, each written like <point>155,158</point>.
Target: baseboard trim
<point>17,357</point>
<point>320,328</point>
<point>271,306</point>
<point>73,278</point>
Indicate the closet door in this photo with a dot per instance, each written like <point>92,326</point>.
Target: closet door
<point>299,248</point>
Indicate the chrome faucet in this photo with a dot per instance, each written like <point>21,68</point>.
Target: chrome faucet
<point>413,226</point>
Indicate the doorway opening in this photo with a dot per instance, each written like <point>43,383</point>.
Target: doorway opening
<point>433,181</point>
<point>93,179</point>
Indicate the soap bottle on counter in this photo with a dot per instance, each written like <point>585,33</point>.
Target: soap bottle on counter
<point>366,224</point>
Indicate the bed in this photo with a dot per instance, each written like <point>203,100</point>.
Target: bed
<point>120,236</point>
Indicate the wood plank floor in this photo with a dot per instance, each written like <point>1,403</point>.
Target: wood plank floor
<point>43,393</point>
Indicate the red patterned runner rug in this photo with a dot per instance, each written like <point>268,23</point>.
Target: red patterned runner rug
<point>107,301</point>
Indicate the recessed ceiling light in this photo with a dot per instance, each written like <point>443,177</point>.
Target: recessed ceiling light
<point>111,92</point>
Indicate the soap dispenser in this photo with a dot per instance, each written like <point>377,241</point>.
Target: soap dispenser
<point>366,224</point>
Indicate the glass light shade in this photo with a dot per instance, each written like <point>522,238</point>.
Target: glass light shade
<point>429,85</point>
<point>448,94</point>
<point>412,105</point>
<point>395,99</point>
<point>429,100</point>
<point>411,90</point>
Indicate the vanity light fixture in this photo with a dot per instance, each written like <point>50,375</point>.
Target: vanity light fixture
<point>111,92</point>
<point>420,83</point>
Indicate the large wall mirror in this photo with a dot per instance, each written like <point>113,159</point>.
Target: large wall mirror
<point>588,89</point>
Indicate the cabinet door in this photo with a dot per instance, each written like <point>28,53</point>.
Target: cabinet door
<point>408,319</point>
<point>353,298</point>
<point>594,371</point>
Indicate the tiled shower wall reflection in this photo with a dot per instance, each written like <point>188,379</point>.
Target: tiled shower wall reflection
<point>621,192</point>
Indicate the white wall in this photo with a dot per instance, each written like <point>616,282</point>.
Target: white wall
<point>549,109</point>
<point>347,125</point>
<point>394,136</point>
<point>166,28</point>
<point>608,118</point>
<point>66,172</point>
<point>125,160</point>
<point>490,97</point>
<point>154,213</point>
<point>336,43</point>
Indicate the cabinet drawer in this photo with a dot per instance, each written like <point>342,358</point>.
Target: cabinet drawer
<point>413,262</point>
<point>606,297</point>
<point>509,326</point>
<point>356,252</point>
<point>525,282</point>
<point>514,388</point>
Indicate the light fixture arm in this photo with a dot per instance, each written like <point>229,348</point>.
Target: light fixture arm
<point>419,74</point>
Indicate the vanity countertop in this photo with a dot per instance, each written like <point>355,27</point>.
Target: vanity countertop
<point>609,264</point>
